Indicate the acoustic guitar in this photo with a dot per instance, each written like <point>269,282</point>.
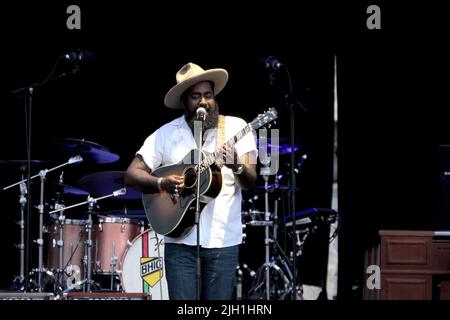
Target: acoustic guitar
<point>173,214</point>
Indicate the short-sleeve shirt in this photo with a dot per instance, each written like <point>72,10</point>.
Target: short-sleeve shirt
<point>220,220</point>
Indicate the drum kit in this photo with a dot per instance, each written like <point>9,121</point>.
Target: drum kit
<point>114,250</point>
<point>270,274</point>
<point>95,250</point>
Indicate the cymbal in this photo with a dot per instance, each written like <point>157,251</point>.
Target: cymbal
<point>106,182</point>
<point>24,162</point>
<point>54,187</point>
<point>283,146</point>
<point>90,151</point>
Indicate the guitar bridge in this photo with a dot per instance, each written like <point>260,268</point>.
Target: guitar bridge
<point>172,197</point>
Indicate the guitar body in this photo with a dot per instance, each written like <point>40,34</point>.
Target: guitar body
<point>174,215</point>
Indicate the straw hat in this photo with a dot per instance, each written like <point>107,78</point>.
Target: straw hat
<point>189,75</point>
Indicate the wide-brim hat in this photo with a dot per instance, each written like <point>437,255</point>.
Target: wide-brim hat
<point>189,75</point>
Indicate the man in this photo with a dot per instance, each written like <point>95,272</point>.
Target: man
<point>220,220</point>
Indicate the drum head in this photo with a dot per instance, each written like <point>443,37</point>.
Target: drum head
<point>143,266</point>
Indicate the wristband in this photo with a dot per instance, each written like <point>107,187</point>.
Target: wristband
<point>159,183</point>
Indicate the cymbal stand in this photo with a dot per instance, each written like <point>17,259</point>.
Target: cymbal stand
<point>88,258</point>
<point>40,240</point>
<point>19,282</point>
<point>60,242</point>
<point>264,173</point>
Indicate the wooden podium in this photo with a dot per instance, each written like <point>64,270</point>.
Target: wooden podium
<point>415,265</point>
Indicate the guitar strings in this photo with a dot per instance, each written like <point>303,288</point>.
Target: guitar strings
<point>213,155</point>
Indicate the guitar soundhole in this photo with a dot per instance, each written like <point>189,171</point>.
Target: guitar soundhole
<point>189,178</point>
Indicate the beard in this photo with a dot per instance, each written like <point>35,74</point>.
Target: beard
<point>211,121</point>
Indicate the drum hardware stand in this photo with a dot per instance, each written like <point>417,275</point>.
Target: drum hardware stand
<point>60,241</point>
<point>19,281</point>
<point>265,172</point>
<point>40,240</point>
<point>88,258</point>
<point>113,265</point>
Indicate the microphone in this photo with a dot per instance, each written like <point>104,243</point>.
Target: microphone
<point>79,55</point>
<point>201,111</point>
<point>272,63</point>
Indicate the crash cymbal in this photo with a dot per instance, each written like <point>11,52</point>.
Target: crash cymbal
<point>106,182</point>
<point>283,146</point>
<point>90,151</point>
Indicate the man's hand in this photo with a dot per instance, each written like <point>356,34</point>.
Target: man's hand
<point>172,183</point>
<point>230,158</point>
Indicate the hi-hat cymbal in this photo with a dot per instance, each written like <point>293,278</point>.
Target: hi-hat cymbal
<point>90,151</point>
<point>104,183</point>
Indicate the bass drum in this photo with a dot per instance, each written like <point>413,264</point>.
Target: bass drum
<point>143,268</point>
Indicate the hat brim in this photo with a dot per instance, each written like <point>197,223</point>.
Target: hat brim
<point>218,76</point>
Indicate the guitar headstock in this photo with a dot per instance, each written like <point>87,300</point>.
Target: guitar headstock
<point>264,118</point>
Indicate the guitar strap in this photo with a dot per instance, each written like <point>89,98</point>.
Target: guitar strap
<point>220,132</point>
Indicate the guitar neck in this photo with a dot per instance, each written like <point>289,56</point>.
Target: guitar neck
<point>211,158</point>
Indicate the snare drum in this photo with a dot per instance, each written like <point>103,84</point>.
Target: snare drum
<point>143,266</point>
<point>74,236</point>
<point>112,236</point>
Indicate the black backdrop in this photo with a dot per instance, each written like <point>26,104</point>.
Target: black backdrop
<point>390,118</point>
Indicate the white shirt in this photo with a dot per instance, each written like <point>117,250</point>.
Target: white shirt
<point>220,219</point>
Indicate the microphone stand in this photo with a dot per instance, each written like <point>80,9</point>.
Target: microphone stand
<point>293,187</point>
<point>27,93</point>
<point>198,128</point>
<point>291,103</point>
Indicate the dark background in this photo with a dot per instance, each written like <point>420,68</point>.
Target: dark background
<point>392,117</point>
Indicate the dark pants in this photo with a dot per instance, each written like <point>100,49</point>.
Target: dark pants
<point>218,272</point>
